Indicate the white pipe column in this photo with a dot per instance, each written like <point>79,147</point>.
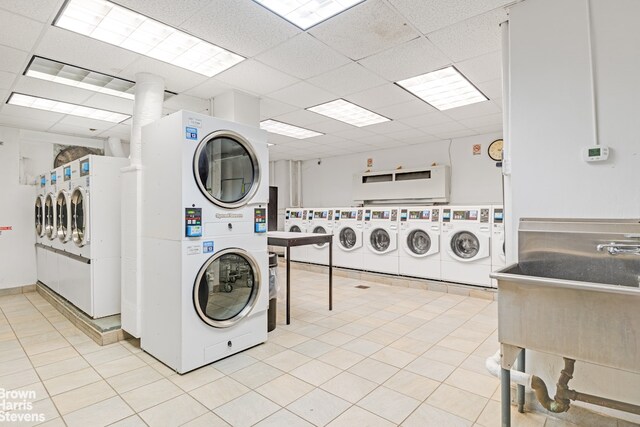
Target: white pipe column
<point>115,146</point>
<point>147,108</point>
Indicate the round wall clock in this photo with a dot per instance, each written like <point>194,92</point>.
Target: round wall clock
<point>495,150</point>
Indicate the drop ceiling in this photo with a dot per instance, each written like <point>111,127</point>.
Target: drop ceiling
<point>356,55</point>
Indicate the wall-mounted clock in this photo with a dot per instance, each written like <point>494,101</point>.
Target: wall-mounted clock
<point>495,150</point>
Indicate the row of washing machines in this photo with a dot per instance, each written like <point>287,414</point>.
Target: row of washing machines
<point>460,244</point>
<point>77,225</point>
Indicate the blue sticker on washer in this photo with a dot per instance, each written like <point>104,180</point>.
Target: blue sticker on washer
<point>207,247</point>
<point>191,133</point>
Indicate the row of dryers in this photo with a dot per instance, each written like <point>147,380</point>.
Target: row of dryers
<point>460,244</point>
<point>77,224</point>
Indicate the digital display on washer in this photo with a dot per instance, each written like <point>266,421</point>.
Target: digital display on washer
<point>67,173</point>
<point>403,215</point>
<point>84,167</point>
<point>54,178</point>
<point>348,214</point>
<point>381,214</point>
<point>421,214</point>
<point>446,215</point>
<point>295,214</point>
<point>498,215</point>
<point>320,214</point>
<point>469,215</point>
<point>43,180</point>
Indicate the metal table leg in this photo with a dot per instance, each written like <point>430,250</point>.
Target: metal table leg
<point>330,275</point>
<point>521,367</point>
<point>505,397</point>
<point>288,284</point>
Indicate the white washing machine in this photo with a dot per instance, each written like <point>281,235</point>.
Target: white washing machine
<point>39,220</point>
<point>348,247</point>
<point>322,222</point>
<point>381,240</point>
<point>498,256</point>
<point>50,240</point>
<point>295,221</point>
<point>466,245</point>
<point>420,242</point>
<point>205,275</point>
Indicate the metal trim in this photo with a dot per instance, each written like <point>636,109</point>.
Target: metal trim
<point>39,201</point>
<point>80,258</point>
<point>50,226</point>
<point>64,230</point>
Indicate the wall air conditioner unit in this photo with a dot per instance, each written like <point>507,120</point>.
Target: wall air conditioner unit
<point>418,185</point>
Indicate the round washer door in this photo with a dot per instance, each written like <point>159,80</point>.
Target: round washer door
<point>50,216</point>
<point>419,242</point>
<point>63,215</point>
<point>39,216</point>
<point>465,245</point>
<point>227,288</point>
<point>380,240</point>
<point>295,229</point>
<point>226,169</point>
<point>80,216</point>
<point>320,230</point>
<point>348,238</point>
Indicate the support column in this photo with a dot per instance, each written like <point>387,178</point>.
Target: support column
<point>149,97</point>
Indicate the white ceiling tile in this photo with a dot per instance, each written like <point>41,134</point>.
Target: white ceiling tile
<point>327,140</point>
<point>303,95</point>
<point>19,32</point>
<point>474,37</point>
<point>170,12</point>
<point>302,118</point>
<point>186,102</point>
<point>84,123</point>
<point>331,126</point>
<point>410,59</point>
<point>444,128</point>
<point>346,80</point>
<point>7,79</point>
<point>364,30</point>
<point>488,129</point>
<point>431,15</point>
<point>176,79</point>
<point>40,10</point>
<point>406,109</point>
<point>13,60</point>
<point>47,89</point>
<point>270,108</point>
<point>110,103</point>
<point>386,128</point>
<point>72,130</point>
<point>456,134</point>
<point>120,130</point>
<point>381,96</point>
<point>253,76</point>
<point>209,89</point>
<point>474,110</point>
<point>24,122</point>
<point>303,56</point>
<point>423,120</point>
<point>29,115</point>
<point>243,27</point>
<point>482,121</point>
<point>75,49</point>
<point>354,133</point>
<point>482,68</point>
<point>424,139</point>
<point>406,134</point>
<point>492,89</point>
<point>374,139</point>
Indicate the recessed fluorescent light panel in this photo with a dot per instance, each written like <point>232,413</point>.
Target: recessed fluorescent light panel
<point>285,129</point>
<point>444,89</point>
<point>349,113</point>
<point>307,13</point>
<point>70,75</point>
<point>116,25</point>
<point>22,100</point>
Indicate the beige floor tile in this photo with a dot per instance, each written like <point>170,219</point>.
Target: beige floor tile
<point>62,367</point>
<point>41,343</point>
<point>43,408</point>
<point>412,385</point>
<point>319,407</point>
<point>207,420</point>
<point>313,348</point>
<point>394,357</point>
<point>373,370</point>
<point>219,392</point>
<point>237,414</point>
<point>356,416</point>
<point>311,330</point>
<point>389,404</point>
<point>79,398</point>
<point>355,329</point>
<point>284,389</point>
<point>429,416</point>
<point>445,355</point>
<point>411,345</point>
<point>109,354</point>
<point>490,417</point>
<point>99,414</point>
<point>132,421</point>
<point>173,412</point>
<point>341,358</point>
<point>283,418</point>
<point>134,379</point>
<point>72,380</point>
<point>53,422</point>
<point>335,338</point>
<point>265,350</point>
<point>152,394</point>
<point>197,378</point>
<point>363,346</point>
<point>290,339</point>
<point>381,337</point>
<point>458,402</point>
<point>287,360</point>
<point>349,387</point>
<point>430,368</point>
<point>459,344</point>
<point>315,372</point>
<point>14,366</point>
<point>256,375</point>
<point>119,366</point>
<point>475,383</point>
<point>234,363</point>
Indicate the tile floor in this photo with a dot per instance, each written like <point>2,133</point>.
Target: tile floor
<point>384,356</point>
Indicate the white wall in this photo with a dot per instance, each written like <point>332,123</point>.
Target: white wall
<point>551,120</point>
<point>474,179</point>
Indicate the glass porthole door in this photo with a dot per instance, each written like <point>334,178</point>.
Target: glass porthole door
<point>63,215</point>
<point>465,245</point>
<point>39,216</point>
<point>320,230</point>
<point>380,240</point>
<point>348,238</point>
<point>50,216</point>
<point>226,169</point>
<point>79,216</point>
<point>419,242</point>
<point>226,288</point>
<point>295,229</point>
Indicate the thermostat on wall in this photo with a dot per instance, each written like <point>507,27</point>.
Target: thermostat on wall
<point>596,153</point>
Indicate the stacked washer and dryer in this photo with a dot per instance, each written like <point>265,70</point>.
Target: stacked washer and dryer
<point>204,244</point>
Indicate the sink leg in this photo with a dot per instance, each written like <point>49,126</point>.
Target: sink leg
<point>505,397</point>
<point>521,368</point>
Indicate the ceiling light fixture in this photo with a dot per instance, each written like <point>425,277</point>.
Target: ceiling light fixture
<point>70,75</point>
<point>304,14</point>
<point>348,112</point>
<point>444,89</point>
<point>45,104</point>
<point>285,129</point>
<point>116,25</point>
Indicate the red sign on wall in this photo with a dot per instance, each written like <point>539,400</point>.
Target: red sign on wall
<point>477,149</point>
<point>7,228</point>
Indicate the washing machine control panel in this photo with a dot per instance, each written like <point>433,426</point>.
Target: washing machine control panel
<point>484,215</point>
<point>67,173</point>
<point>260,220</point>
<point>498,216</point>
<point>54,178</point>
<point>193,222</point>
<point>43,181</point>
<point>446,215</point>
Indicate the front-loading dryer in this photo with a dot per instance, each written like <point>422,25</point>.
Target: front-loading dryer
<point>420,242</point>
<point>381,240</point>
<point>295,221</point>
<point>466,245</point>
<point>39,213</point>
<point>204,245</point>
<point>348,247</point>
<point>498,255</point>
<point>322,222</point>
